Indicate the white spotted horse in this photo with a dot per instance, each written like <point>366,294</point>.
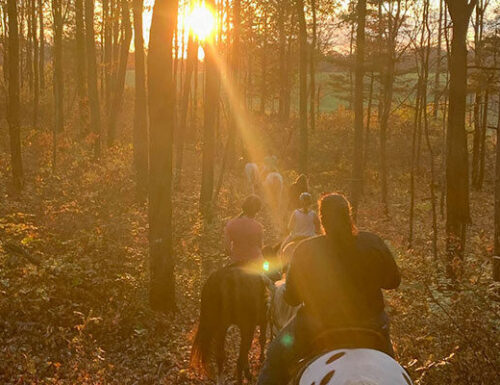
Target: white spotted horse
<point>233,295</point>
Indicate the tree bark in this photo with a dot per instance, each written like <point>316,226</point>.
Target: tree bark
<point>476,139</point>
<point>303,145</point>
<point>192,48</point>
<point>36,73</point>
<point>108,51</point>
<point>58,67</point>
<point>496,251</point>
<point>140,106</point>
<point>211,103</point>
<point>478,98</point>
<point>357,168</point>
<point>282,8</point>
<point>235,102</point>
<point>457,170</point>
<point>388,89</point>
<point>161,113</point>
<point>42,44</point>
<point>80,63</point>
<point>119,78</point>
<point>425,74</point>
<point>312,66</point>
<point>14,98</point>
<point>482,144</point>
<point>368,121</point>
<point>95,114</point>
<point>437,75</point>
<point>263,76</point>
<point>26,14</point>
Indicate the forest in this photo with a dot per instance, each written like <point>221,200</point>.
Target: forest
<point>131,132</point>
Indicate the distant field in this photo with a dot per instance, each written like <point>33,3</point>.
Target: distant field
<point>334,96</point>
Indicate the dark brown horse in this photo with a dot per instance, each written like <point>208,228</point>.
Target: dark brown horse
<point>230,296</point>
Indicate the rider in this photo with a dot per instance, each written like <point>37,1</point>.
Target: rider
<point>243,235</point>
<point>337,277</point>
<point>304,222</point>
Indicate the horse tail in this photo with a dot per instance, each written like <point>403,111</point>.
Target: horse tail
<point>201,351</point>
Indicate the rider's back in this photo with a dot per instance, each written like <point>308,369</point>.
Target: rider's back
<point>244,238</point>
<point>341,287</point>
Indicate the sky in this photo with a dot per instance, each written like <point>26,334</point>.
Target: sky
<point>148,10</point>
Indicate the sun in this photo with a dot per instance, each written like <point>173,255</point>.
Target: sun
<point>201,22</point>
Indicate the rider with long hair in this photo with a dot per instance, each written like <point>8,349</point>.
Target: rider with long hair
<point>337,278</point>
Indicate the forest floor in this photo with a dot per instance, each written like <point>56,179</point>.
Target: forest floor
<point>74,309</point>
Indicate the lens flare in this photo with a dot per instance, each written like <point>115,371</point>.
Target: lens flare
<point>265,265</point>
<point>201,22</point>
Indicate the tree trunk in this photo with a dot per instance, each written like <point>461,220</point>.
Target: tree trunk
<point>235,101</point>
<point>58,67</point>
<point>282,59</point>
<point>437,75</point>
<point>388,84</point>
<point>477,136</point>
<point>161,90</point>
<point>445,114</point>
<point>119,78</point>
<point>478,42</point>
<point>425,73</point>
<point>211,102</point>
<point>303,145</point>
<point>192,48</point>
<point>457,170</point>
<point>416,123</point>
<point>496,251</point>
<point>312,68</point>
<point>95,114</point>
<point>22,44</point>
<point>368,121</point>
<point>108,52</point>
<point>289,68</point>
<point>36,77</point>
<point>42,44</point>
<point>351,51</point>
<point>263,77</point>
<point>80,63</point>
<point>357,168</point>
<point>13,98</point>
<point>140,107</point>
<point>482,143</point>
<point>29,42</point>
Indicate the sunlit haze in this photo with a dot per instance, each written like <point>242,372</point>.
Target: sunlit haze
<point>201,22</point>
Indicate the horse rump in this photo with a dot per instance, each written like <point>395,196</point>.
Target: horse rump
<point>230,296</point>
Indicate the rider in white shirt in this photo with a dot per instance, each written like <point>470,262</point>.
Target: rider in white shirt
<point>304,222</point>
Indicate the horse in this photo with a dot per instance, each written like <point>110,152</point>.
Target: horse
<point>280,312</point>
<point>252,175</point>
<point>237,296</point>
<point>273,187</point>
<point>357,366</point>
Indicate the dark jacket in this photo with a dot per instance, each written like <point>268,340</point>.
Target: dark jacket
<point>341,288</point>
